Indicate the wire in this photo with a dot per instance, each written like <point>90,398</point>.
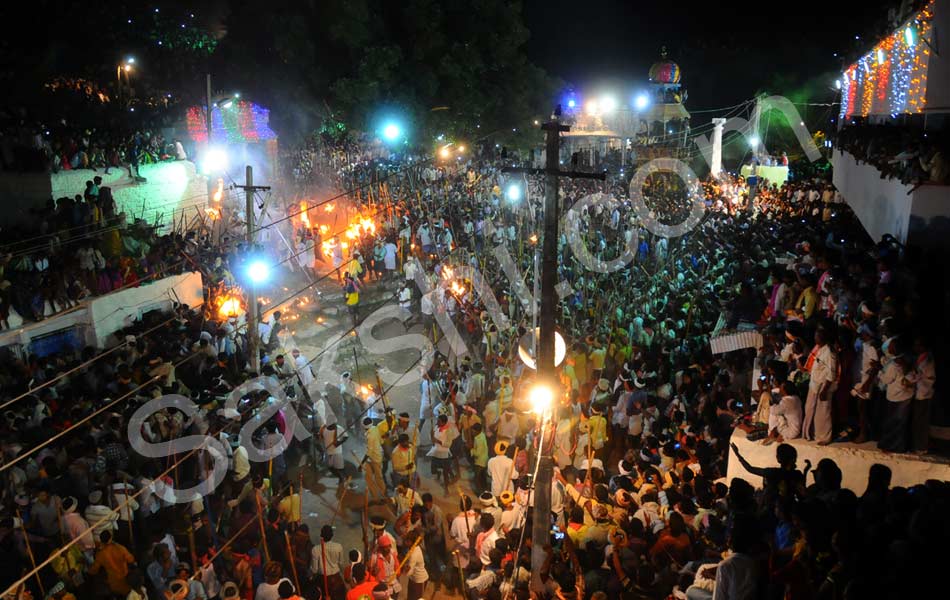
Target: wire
<point>81,366</point>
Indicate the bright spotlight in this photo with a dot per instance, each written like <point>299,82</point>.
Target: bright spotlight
<point>571,103</point>
<point>592,107</point>
<point>215,161</point>
<point>392,132</point>
<point>641,101</point>
<point>461,149</point>
<point>754,141</point>
<point>444,152</point>
<point>838,84</point>
<point>130,60</point>
<point>909,35</point>
<point>258,271</point>
<point>541,398</point>
<point>227,104</point>
<point>608,104</point>
<point>526,348</point>
<point>513,193</point>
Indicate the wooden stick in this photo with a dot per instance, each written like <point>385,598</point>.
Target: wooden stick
<point>339,505</point>
<point>300,478</point>
<point>260,519</point>
<point>511,470</point>
<point>59,516</point>
<point>293,563</point>
<point>125,481</point>
<point>191,542</point>
<point>403,561</point>
<point>29,551</point>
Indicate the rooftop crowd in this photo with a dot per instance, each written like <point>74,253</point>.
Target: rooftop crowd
<point>913,157</point>
<point>641,435</point>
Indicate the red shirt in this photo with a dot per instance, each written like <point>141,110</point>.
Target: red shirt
<point>363,590</point>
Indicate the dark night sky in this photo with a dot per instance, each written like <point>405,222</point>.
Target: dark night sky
<point>726,51</point>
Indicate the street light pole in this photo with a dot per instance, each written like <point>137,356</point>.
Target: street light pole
<point>253,333</point>
<point>547,368</point>
<point>208,106</point>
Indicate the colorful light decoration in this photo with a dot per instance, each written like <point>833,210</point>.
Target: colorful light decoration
<point>892,77</point>
<point>240,122</point>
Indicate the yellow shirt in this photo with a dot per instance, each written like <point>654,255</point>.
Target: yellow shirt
<point>807,301</point>
<point>289,508</point>
<point>597,426</point>
<point>597,358</point>
<point>374,446</point>
<point>580,368</point>
<point>115,560</point>
<point>400,460</point>
<point>480,450</point>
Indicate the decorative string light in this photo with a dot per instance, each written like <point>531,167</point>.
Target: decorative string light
<point>892,77</point>
<point>241,122</point>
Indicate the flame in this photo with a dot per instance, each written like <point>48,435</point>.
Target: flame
<point>229,306</point>
<point>447,272</point>
<point>213,213</point>
<point>304,218</point>
<point>329,208</point>
<point>365,391</point>
<point>368,225</point>
<point>458,288</point>
<point>344,245</point>
<point>324,229</point>
<point>328,247</point>
<point>219,191</point>
<point>534,238</point>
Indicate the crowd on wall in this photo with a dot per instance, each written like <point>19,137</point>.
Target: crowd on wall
<point>28,146</point>
<point>913,157</point>
<point>640,437</point>
<point>78,247</point>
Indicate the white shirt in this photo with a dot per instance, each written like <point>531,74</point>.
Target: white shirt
<point>736,578</point>
<point>499,468</point>
<point>303,370</point>
<point>242,466</point>
<point>825,367</point>
<point>786,416</point>
<point>898,387</point>
<point>334,557</point>
<point>416,566</point>
<point>488,544</point>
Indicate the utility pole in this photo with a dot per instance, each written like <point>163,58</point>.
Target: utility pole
<point>253,332</point>
<point>208,106</point>
<point>547,370</point>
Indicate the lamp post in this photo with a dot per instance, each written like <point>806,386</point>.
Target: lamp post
<point>126,68</point>
<point>547,367</point>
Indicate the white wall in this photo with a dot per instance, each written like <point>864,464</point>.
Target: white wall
<point>854,461</point>
<point>102,316</point>
<point>169,186</point>
<point>109,313</point>
<point>882,205</point>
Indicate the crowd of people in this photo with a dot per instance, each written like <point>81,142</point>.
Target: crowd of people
<point>26,146</point>
<point>80,247</point>
<point>911,156</point>
<point>640,436</point>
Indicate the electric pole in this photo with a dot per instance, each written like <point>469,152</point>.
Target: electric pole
<point>253,332</point>
<point>547,369</point>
